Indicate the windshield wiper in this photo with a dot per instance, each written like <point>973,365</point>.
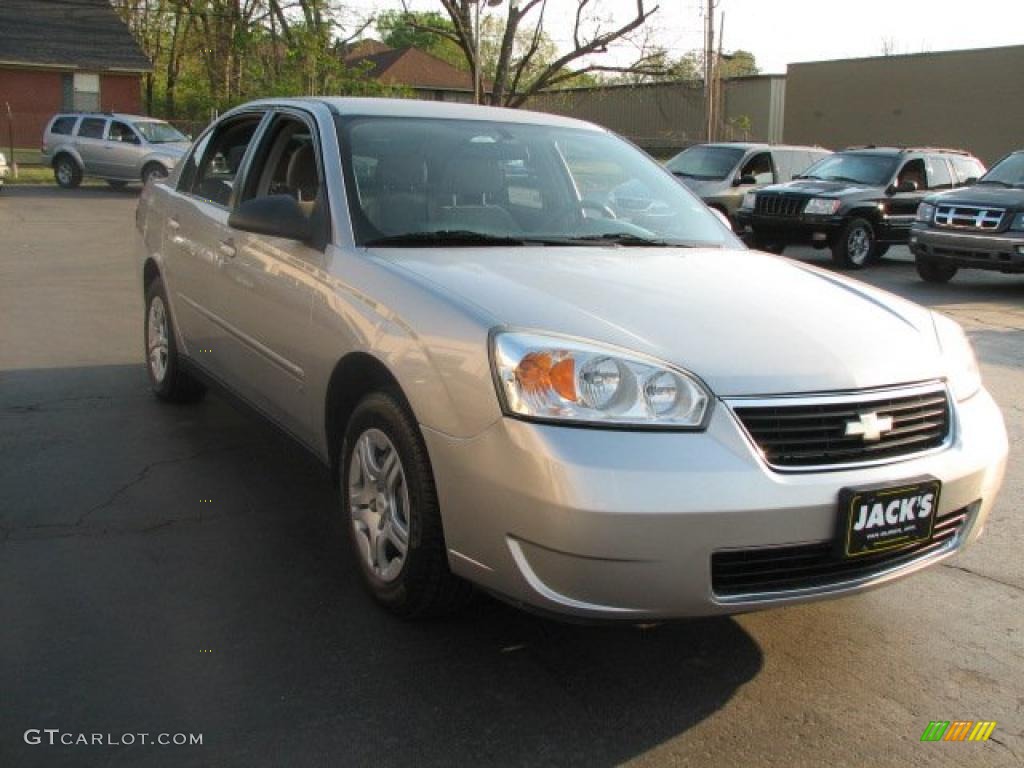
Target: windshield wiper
<point>443,237</point>
<point>807,176</point>
<point>625,238</point>
<point>847,179</point>
<point>1006,184</point>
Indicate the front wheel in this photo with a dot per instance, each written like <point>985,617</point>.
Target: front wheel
<point>854,245</point>
<point>933,271</point>
<point>166,377</point>
<point>394,520</point>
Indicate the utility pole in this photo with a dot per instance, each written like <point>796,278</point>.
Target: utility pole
<point>709,68</point>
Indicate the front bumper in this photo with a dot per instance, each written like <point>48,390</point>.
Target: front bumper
<point>1003,252</point>
<point>789,230</point>
<point>617,524</point>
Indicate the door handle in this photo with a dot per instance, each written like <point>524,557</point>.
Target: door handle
<point>173,224</point>
<point>227,248</point>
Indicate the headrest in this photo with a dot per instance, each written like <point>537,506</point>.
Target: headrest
<point>401,173</point>
<point>477,176</point>
<point>301,175</point>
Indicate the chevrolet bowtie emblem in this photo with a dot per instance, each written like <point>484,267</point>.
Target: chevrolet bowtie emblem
<point>870,426</point>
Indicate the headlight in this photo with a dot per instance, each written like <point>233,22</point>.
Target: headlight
<point>556,378</point>
<point>925,211</point>
<point>748,199</point>
<point>961,366</point>
<point>1018,222</point>
<point>821,206</point>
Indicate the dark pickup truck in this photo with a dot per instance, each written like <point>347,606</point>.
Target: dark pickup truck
<point>980,227</point>
<point>856,202</point>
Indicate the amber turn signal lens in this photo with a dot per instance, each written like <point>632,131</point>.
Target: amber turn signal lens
<point>538,373</point>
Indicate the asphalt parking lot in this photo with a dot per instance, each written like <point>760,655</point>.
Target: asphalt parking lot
<point>181,569</point>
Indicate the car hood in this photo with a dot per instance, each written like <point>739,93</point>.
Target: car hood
<point>815,187</point>
<point>704,187</point>
<point>983,194</point>
<point>746,322</point>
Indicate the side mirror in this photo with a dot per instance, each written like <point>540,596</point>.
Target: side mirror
<point>904,186</point>
<point>276,215</point>
<point>745,180</point>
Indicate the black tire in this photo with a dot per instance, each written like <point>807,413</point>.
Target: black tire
<point>66,172</point>
<point>854,245</point>
<point>175,385</point>
<point>424,587</point>
<point>153,172</point>
<point>932,271</point>
<point>117,185</point>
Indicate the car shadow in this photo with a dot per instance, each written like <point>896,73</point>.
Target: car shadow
<point>90,190</point>
<point>175,569</point>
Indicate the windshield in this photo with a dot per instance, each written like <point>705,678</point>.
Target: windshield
<point>705,162</point>
<point>873,170</point>
<point>160,133</point>
<point>1008,171</point>
<point>421,181</point>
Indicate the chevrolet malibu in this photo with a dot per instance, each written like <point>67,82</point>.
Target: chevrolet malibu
<point>586,406</point>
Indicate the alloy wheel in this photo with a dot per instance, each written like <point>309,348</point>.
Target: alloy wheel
<point>64,174</point>
<point>157,339</point>
<point>379,504</point>
<point>858,245</point>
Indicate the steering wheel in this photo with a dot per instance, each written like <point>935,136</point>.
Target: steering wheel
<point>593,205</point>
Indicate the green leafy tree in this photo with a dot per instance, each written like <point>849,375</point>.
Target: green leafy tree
<point>400,29</point>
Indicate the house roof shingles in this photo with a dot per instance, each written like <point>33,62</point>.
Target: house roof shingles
<point>80,34</point>
<point>414,68</point>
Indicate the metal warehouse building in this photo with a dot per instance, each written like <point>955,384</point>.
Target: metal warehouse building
<point>972,100</point>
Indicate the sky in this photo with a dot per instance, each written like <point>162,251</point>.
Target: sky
<point>782,31</point>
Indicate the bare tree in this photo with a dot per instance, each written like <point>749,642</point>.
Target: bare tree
<point>516,76</point>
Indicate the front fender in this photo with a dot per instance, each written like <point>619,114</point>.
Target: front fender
<point>67,149</point>
<point>167,161</point>
<point>434,346</point>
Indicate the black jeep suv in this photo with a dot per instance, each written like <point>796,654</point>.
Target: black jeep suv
<point>982,226</point>
<point>857,202</point>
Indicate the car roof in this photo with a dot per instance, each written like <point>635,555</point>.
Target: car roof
<point>377,107</point>
<point>114,115</point>
<point>870,149</point>
<point>759,145</point>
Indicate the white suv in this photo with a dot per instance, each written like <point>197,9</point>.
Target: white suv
<point>115,147</point>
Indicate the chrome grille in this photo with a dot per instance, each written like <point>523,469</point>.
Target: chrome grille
<point>968,217</point>
<point>823,432</point>
<point>782,569</point>
<point>778,205</point>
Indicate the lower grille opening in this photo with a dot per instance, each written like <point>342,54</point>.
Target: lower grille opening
<point>781,569</point>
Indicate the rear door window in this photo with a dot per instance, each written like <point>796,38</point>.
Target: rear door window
<point>63,125</point>
<point>92,128</point>
<point>210,171</point>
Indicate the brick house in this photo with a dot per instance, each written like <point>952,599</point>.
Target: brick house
<point>64,54</point>
<point>424,74</point>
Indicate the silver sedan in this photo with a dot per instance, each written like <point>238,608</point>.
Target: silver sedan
<point>538,365</point>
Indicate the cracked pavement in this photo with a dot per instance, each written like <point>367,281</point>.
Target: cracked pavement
<point>134,534</point>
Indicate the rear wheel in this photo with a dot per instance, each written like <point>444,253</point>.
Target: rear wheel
<point>394,520</point>
<point>166,377</point>
<point>854,244</point>
<point>932,271</point>
<point>66,172</point>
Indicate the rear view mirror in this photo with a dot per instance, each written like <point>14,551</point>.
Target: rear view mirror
<point>745,180</point>
<point>276,215</point>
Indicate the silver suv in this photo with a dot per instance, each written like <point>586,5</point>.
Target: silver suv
<point>115,147</point>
